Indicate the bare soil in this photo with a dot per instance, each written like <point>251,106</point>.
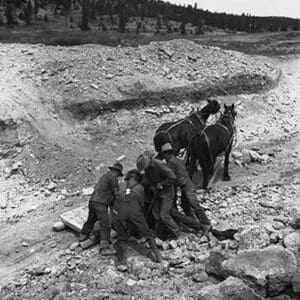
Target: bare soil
<point>45,143</point>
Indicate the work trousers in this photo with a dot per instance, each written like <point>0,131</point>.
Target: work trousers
<point>136,218</point>
<point>164,207</point>
<point>191,206</point>
<point>185,220</point>
<point>98,212</point>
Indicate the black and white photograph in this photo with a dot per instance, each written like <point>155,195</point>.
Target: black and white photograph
<point>149,150</point>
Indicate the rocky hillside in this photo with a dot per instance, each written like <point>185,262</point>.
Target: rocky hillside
<point>48,158</point>
<point>92,78</point>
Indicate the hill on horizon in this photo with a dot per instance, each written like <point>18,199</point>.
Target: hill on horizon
<point>137,16</point>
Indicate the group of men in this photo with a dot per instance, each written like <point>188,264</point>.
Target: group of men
<point>146,204</point>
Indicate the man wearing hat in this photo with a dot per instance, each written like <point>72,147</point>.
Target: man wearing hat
<point>129,211</point>
<point>189,201</point>
<point>105,193</point>
<point>162,179</point>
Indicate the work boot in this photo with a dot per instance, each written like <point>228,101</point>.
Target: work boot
<point>121,248</point>
<point>108,251</point>
<point>177,234</point>
<point>104,244</point>
<point>83,237</point>
<point>155,250</point>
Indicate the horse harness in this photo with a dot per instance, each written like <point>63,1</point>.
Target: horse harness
<point>199,118</point>
<point>230,140</point>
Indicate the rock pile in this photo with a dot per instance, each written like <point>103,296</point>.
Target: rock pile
<point>108,75</point>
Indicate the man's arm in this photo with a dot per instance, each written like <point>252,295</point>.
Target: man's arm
<point>115,187</point>
<point>167,174</point>
<point>139,194</point>
<point>146,182</point>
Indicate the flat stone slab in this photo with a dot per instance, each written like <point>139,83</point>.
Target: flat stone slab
<point>75,218</point>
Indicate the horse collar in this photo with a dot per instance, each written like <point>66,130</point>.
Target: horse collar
<point>199,118</point>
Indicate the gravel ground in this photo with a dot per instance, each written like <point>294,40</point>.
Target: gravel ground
<point>44,144</point>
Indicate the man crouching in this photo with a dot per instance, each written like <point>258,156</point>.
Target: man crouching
<point>129,212</point>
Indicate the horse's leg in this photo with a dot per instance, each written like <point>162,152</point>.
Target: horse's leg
<point>226,176</point>
<point>205,171</point>
<point>210,168</point>
<point>191,164</point>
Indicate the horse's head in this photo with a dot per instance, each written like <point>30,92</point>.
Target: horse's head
<point>230,111</point>
<point>213,106</point>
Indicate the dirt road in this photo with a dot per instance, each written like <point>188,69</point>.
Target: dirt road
<point>78,151</point>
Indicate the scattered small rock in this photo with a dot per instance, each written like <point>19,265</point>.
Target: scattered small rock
<point>87,191</point>
<point>3,200</point>
<point>120,158</point>
<point>131,282</point>
<point>200,277</point>
<point>58,226</point>
<point>94,86</point>
<point>74,245</point>
<point>255,237</point>
<point>51,186</point>
<point>292,241</point>
<point>68,203</point>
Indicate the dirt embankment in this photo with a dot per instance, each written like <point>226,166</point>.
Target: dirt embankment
<point>44,88</point>
<point>91,79</point>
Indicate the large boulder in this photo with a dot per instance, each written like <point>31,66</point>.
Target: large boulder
<point>292,241</point>
<point>255,237</point>
<point>269,271</point>
<point>231,288</point>
<point>213,265</point>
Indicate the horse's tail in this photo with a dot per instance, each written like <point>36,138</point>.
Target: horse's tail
<point>192,156</point>
<point>161,138</point>
<point>190,161</point>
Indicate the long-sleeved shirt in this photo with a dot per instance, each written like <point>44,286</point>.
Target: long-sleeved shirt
<point>157,172</point>
<point>131,200</point>
<point>178,168</point>
<point>107,189</point>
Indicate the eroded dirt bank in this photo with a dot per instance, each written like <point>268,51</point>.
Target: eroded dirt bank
<point>49,145</point>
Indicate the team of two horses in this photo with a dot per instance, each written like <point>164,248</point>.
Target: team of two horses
<point>203,144</point>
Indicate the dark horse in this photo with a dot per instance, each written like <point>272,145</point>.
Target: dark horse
<point>211,142</point>
<point>179,133</point>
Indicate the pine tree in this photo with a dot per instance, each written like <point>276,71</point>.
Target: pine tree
<point>296,25</point>
<point>85,15</point>
<point>122,22</point>
<point>138,26</point>
<point>28,12</point>
<point>158,24</point>
<point>93,10</point>
<point>182,28</point>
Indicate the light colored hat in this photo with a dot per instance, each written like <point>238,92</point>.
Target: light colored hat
<point>166,148</point>
<point>142,162</point>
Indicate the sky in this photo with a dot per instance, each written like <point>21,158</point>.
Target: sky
<point>286,8</point>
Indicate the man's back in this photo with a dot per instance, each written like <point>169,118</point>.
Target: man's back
<point>105,188</point>
<point>178,168</point>
<point>158,172</point>
<point>131,201</point>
